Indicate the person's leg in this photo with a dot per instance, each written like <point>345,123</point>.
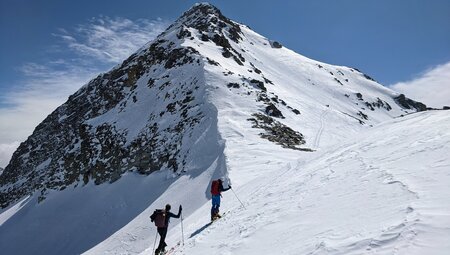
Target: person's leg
<point>163,237</point>
<point>218,203</point>
<point>162,242</point>
<point>214,208</point>
<point>158,250</point>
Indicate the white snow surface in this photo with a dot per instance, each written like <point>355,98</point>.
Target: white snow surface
<point>385,191</point>
<point>377,188</point>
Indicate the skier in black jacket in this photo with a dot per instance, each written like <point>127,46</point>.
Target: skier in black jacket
<point>162,231</point>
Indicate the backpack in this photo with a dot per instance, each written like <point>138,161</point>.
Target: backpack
<point>159,217</point>
<point>215,188</point>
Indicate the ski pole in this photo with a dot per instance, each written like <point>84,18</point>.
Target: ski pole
<point>182,232</point>
<point>154,244</point>
<point>238,198</point>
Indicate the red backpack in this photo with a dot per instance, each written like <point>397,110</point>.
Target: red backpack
<point>215,188</point>
<point>159,217</point>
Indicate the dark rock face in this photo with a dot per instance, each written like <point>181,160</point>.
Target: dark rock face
<point>215,27</point>
<point>277,132</point>
<point>212,62</point>
<point>362,115</point>
<point>258,84</point>
<point>296,111</point>
<point>359,96</point>
<point>184,33</point>
<point>66,148</point>
<point>205,18</point>
<point>338,81</point>
<point>233,85</point>
<point>179,57</point>
<point>276,44</point>
<point>363,74</point>
<point>368,77</point>
<point>273,111</point>
<point>407,103</point>
<point>372,105</point>
<point>378,104</point>
<point>227,54</point>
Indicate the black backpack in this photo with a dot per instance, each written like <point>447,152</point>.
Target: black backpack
<point>159,218</point>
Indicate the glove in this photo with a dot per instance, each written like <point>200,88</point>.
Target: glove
<point>181,208</point>
<point>229,186</point>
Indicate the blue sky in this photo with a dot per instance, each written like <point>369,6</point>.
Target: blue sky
<point>49,48</point>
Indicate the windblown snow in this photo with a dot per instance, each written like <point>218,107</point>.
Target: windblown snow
<point>384,191</point>
<point>324,159</point>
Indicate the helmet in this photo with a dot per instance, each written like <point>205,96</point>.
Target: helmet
<point>168,207</point>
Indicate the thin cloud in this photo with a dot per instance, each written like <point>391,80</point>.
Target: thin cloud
<point>431,87</point>
<point>111,40</point>
<point>94,47</point>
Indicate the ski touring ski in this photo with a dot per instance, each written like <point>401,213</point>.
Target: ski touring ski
<point>171,250</point>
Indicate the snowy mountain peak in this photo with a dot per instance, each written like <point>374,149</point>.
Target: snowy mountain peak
<point>145,114</point>
<point>207,98</point>
<point>201,9</point>
<point>209,21</point>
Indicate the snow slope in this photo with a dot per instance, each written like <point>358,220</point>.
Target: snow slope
<point>383,192</point>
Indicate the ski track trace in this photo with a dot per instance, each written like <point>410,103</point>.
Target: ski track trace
<point>367,196</point>
<point>322,126</point>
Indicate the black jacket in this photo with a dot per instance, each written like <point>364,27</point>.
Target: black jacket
<point>223,189</point>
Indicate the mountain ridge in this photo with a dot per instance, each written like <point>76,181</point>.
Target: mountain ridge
<point>208,98</point>
<point>72,141</point>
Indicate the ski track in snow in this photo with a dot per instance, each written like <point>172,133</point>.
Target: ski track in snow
<point>319,133</point>
<point>348,200</point>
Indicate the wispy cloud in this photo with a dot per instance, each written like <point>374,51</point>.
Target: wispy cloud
<point>111,40</point>
<point>44,88</point>
<point>94,47</point>
<point>432,87</point>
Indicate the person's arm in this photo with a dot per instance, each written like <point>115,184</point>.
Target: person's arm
<point>223,189</point>
<point>172,215</point>
<point>177,215</point>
